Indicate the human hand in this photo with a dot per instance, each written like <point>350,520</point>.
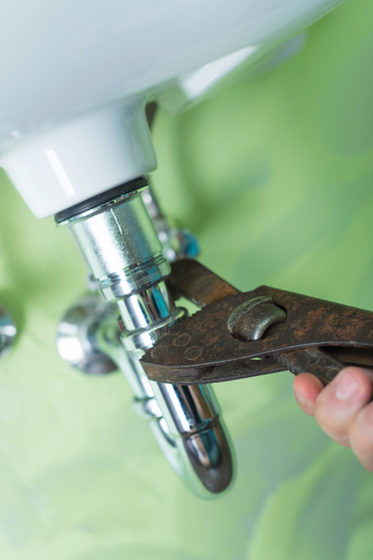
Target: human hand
<point>342,408</point>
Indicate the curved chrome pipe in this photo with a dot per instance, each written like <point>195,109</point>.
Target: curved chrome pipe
<point>191,413</point>
<point>199,433</point>
<point>123,251</point>
<point>184,420</point>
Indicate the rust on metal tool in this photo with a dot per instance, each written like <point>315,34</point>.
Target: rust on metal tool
<point>251,319</point>
<point>201,349</point>
<point>311,360</point>
<point>193,281</point>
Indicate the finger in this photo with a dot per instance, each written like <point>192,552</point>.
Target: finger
<point>361,436</point>
<point>340,401</point>
<point>306,390</point>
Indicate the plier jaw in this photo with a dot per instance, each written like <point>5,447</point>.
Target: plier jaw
<point>237,335</point>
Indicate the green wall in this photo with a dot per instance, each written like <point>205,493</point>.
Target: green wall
<point>274,175</point>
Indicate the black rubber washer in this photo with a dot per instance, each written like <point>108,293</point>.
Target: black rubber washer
<point>100,199</point>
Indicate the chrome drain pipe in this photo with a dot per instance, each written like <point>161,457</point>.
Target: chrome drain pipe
<point>117,238</point>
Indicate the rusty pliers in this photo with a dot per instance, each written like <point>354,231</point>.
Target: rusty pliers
<point>245,334</point>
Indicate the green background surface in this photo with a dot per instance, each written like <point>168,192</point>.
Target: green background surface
<point>274,175</point>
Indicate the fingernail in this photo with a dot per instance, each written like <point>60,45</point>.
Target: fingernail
<point>347,387</point>
<point>300,397</point>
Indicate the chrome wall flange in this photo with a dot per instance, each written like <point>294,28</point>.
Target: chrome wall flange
<point>77,340</point>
